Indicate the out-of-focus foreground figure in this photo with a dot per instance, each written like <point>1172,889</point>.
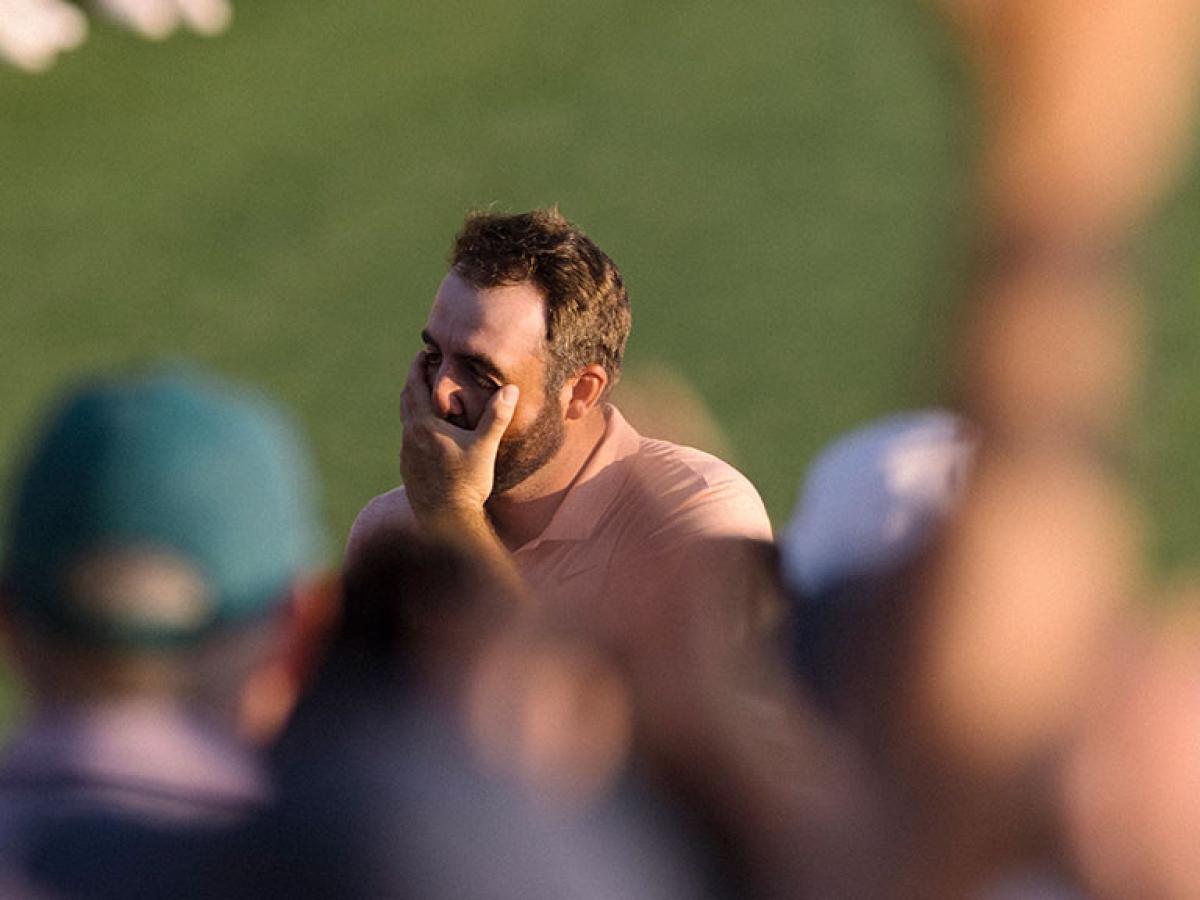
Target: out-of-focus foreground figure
<point>157,20</point>
<point>1020,608</point>
<point>999,671</point>
<point>448,750</point>
<point>154,585</point>
<point>34,32</point>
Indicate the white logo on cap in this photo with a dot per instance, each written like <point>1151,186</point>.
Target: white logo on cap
<point>141,588</point>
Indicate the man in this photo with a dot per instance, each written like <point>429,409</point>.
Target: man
<point>510,443</point>
<point>153,577</point>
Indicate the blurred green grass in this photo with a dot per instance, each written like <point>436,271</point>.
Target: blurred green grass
<point>785,187</point>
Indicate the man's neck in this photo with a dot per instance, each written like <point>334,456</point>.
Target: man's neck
<point>523,513</point>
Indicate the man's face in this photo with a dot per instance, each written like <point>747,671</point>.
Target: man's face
<point>476,341</point>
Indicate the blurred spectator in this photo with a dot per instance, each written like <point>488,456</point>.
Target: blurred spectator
<point>159,19</point>
<point>153,583</point>
<point>34,32</point>
<point>872,501</point>
<point>1131,784</point>
<point>1010,629</point>
<point>776,803</point>
<point>389,788</point>
<point>873,505</point>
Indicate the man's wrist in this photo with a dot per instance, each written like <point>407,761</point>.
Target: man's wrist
<point>448,512</point>
<point>459,516</point>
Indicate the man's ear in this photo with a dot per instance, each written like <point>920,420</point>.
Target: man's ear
<point>587,388</point>
<point>270,693</point>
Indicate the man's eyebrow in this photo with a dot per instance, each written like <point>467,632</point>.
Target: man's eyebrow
<point>481,361</point>
<point>485,364</point>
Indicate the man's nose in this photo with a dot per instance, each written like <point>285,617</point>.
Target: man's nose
<point>447,395</point>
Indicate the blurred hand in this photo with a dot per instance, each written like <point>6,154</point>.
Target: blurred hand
<point>34,32</point>
<point>1088,105</point>
<point>158,19</point>
<point>1132,784</point>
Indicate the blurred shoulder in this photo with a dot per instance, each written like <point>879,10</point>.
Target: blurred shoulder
<point>386,511</point>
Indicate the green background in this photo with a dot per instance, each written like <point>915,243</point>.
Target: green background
<point>785,187</point>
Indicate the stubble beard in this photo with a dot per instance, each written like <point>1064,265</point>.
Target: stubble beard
<point>520,455</point>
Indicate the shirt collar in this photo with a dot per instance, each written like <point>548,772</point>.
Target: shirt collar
<point>596,486</point>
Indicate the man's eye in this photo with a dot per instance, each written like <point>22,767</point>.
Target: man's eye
<point>485,382</point>
<point>432,358</point>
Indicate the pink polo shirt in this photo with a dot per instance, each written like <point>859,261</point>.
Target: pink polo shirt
<point>623,528</point>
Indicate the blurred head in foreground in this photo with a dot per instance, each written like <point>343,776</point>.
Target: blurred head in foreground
<point>870,504</point>
<point>416,611</point>
<point>450,747</point>
<point>425,626</point>
<point>161,526</point>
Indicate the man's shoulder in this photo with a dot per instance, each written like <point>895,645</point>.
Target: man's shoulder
<point>677,460</point>
<point>385,506</point>
<point>387,510</point>
<point>692,490</point>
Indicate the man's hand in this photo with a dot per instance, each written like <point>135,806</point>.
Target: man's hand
<point>447,470</point>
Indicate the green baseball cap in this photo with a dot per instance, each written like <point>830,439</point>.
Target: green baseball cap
<point>157,507</point>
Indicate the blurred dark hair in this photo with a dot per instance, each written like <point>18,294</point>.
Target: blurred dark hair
<point>404,592</point>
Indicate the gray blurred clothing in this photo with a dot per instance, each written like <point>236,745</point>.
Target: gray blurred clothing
<point>1032,884</point>
<point>80,789</point>
<point>379,798</point>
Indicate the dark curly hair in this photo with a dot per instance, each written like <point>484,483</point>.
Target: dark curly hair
<point>587,307</point>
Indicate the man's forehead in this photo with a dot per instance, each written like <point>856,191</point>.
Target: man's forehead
<point>508,319</point>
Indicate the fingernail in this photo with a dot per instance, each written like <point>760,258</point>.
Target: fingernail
<point>508,393</point>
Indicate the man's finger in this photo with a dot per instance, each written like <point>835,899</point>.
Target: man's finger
<point>494,421</point>
<point>415,400</point>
